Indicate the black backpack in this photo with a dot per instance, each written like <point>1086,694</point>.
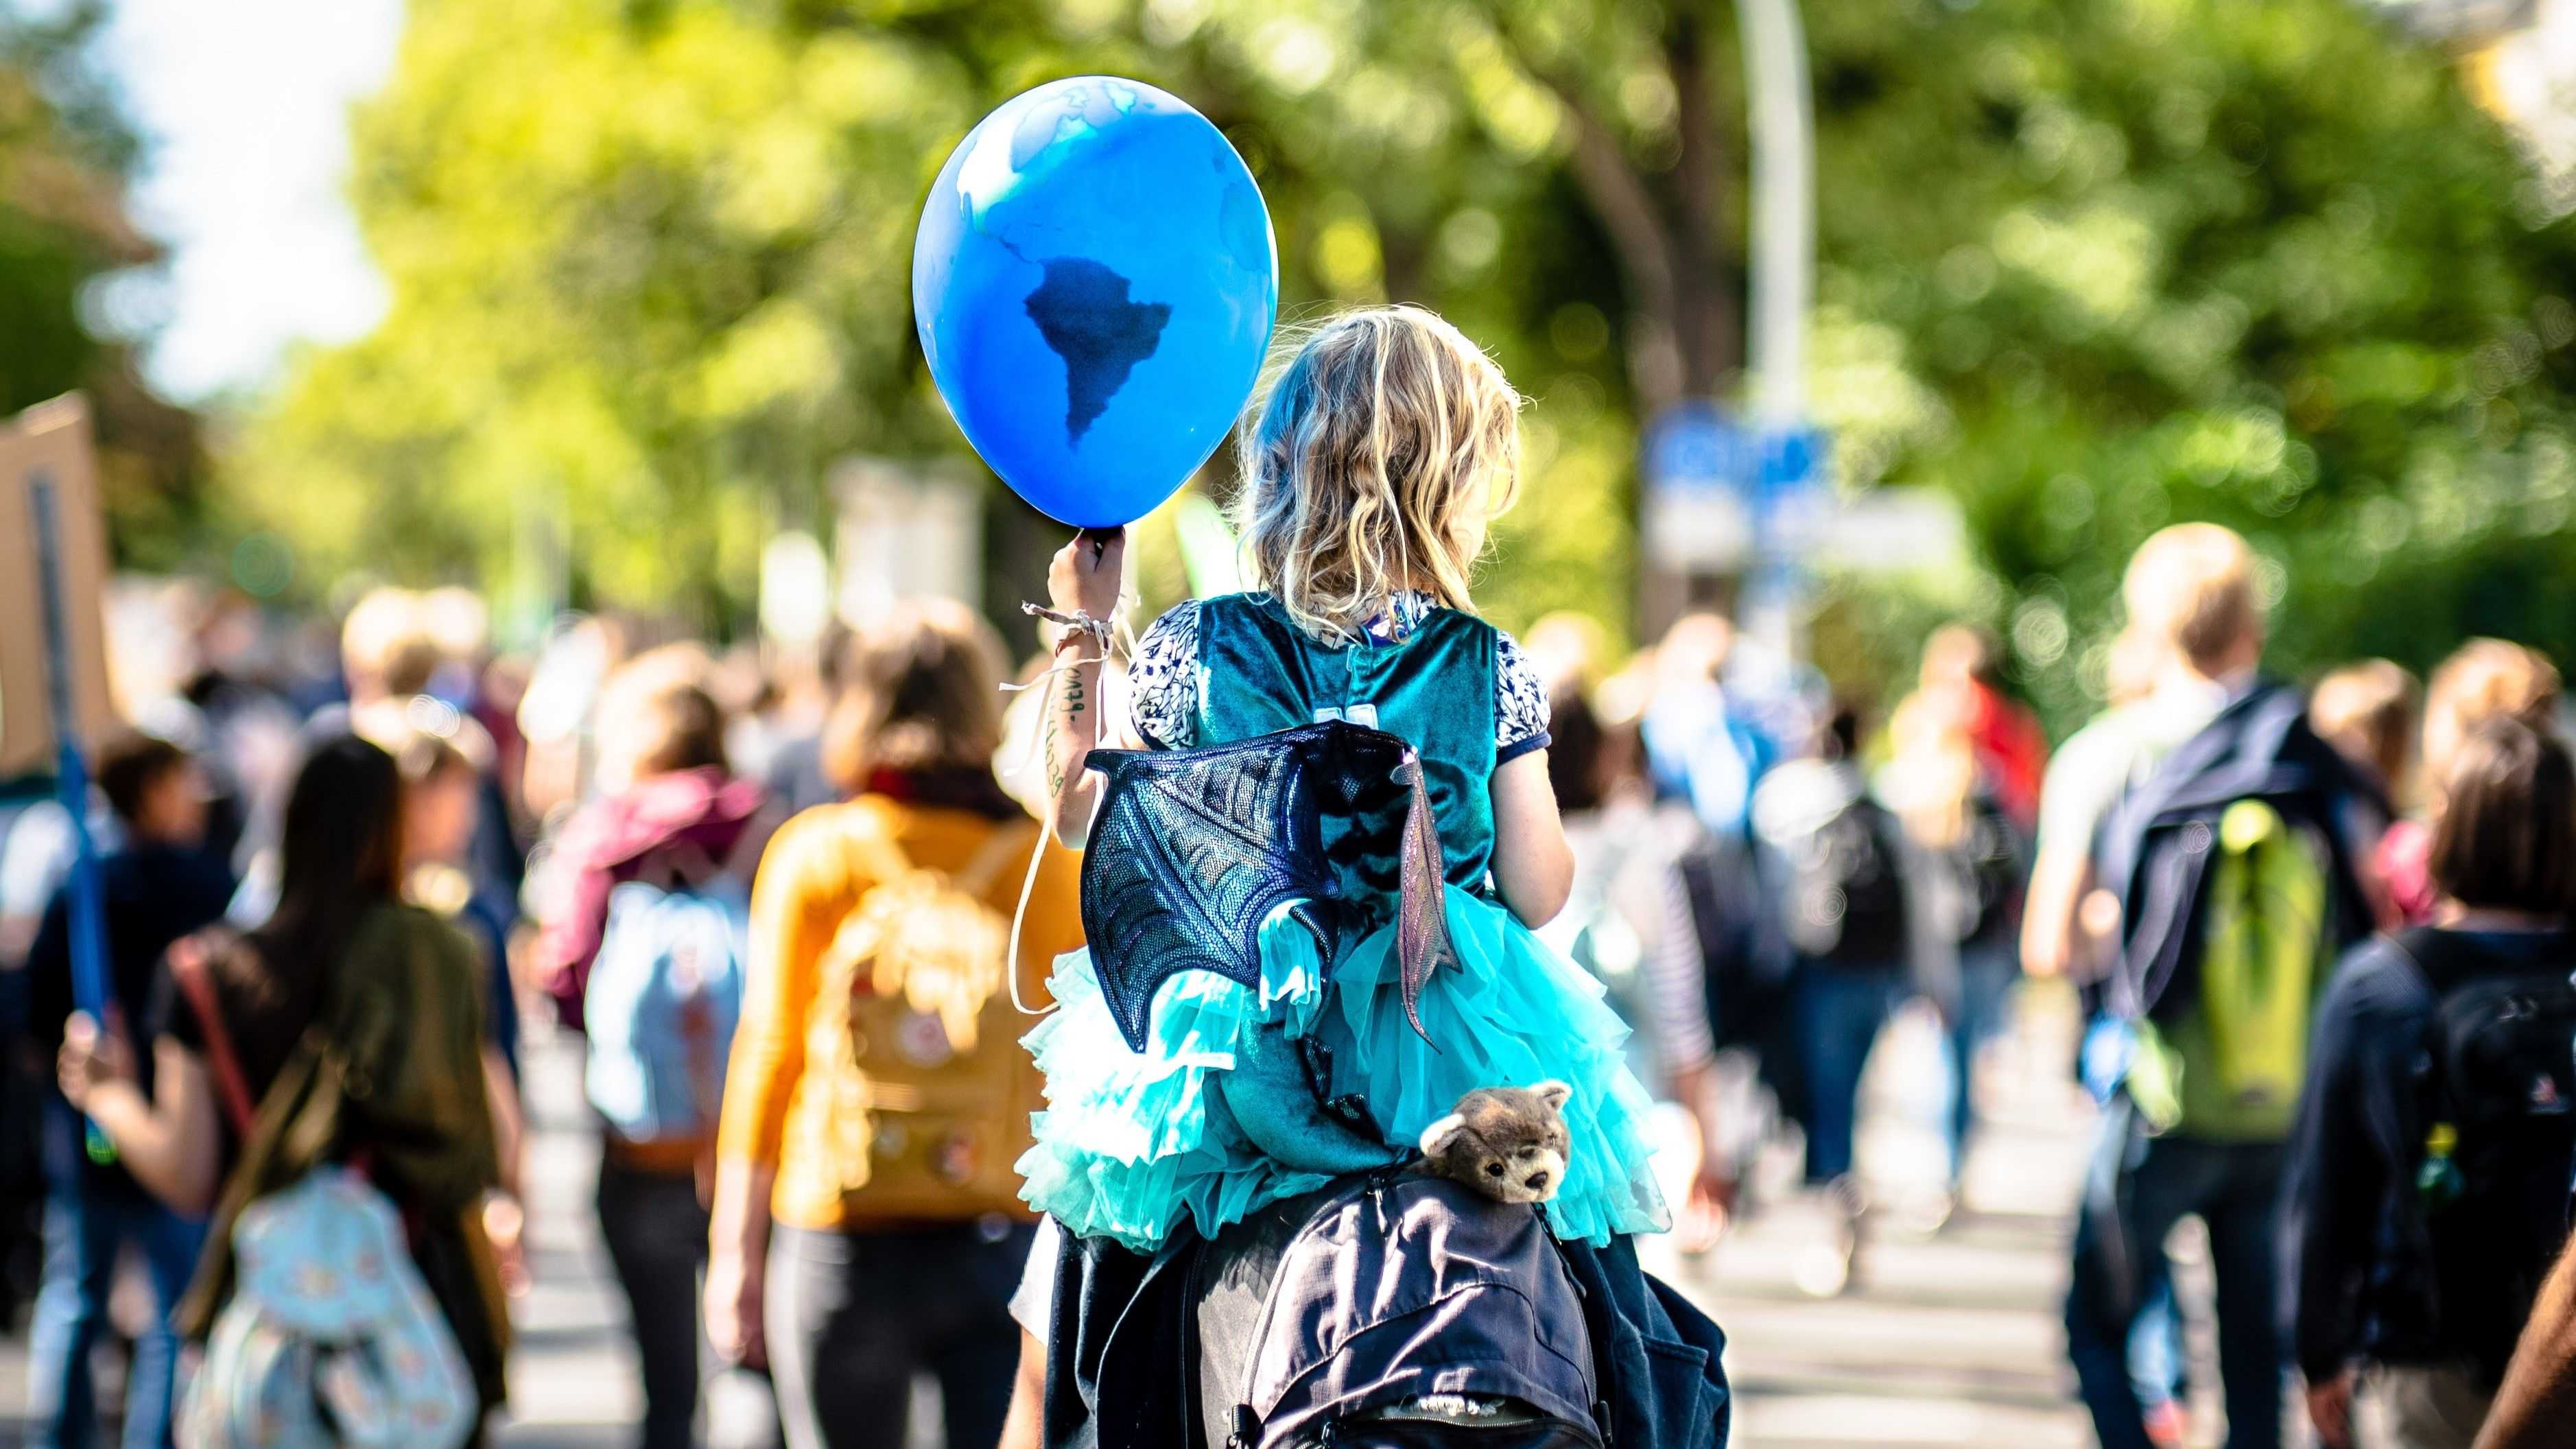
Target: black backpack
<point>1745,978</point>
<point>2497,1079</point>
<point>1989,868</point>
<point>1846,897</point>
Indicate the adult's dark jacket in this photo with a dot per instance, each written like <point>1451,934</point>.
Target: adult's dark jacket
<point>1123,1353</point>
<point>2356,1280</point>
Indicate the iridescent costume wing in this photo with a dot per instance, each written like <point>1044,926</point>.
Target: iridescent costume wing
<point>1194,849</point>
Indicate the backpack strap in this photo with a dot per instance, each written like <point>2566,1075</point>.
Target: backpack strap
<point>891,862</point>
<point>191,969</point>
<point>2445,960</point>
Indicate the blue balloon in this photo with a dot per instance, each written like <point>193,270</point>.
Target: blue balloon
<point>1095,283</point>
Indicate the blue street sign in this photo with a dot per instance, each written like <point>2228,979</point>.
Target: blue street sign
<point>1790,506</point>
<point>1720,491</point>
<point>1696,446</point>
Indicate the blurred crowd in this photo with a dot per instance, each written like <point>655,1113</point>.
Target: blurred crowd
<point>774,890</point>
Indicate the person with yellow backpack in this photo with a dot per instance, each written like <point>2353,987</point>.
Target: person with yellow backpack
<point>867,1225</point>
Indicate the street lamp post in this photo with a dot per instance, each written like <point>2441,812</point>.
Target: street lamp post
<point>1781,289</point>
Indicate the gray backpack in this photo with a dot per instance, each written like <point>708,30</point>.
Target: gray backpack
<point>1397,1311</point>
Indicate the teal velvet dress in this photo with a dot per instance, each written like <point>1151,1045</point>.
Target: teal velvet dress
<point>1133,1144</point>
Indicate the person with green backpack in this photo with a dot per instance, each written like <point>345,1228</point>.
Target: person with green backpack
<point>2217,820</point>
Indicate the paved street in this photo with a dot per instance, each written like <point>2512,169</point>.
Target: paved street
<point>1946,1338</point>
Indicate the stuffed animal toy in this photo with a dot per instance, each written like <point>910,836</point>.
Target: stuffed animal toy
<point>1508,1143</point>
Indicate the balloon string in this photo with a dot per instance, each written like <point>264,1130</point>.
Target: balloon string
<point>1114,639</point>
<point>1020,916</point>
<point>1077,622</point>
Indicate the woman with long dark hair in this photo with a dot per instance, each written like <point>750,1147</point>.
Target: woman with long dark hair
<point>356,1021</point>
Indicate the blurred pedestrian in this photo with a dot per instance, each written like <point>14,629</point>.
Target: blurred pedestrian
<point>353,1016</point>
<point>244,730</point>
<point>2428,1189</point>
<point>386,657</point>
<point>643,946</point>
<point>1834,858</point>
<point>386,648</point>
<point>1969,861</point>
<point>867,1227</point>
<point>1964,665</point>
<point>2483,679</point>
<point>803,686</point>
<point>1627,921</point>
<point>2211,810</point>
<point>2367,712</point>
<point>158,886</point>
<point>1701,745</point>
<point>443,758</point>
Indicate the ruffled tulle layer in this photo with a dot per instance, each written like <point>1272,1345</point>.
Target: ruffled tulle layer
<point>1132,1144</point>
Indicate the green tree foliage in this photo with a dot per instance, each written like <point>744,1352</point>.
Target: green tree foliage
<point>648,278</point>
<point>2169,259</point>
<point>649,270</point>
<point>2089,267</point>
<point>65,154</point>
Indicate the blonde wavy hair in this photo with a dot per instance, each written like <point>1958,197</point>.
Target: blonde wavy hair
<point>1382,450</point>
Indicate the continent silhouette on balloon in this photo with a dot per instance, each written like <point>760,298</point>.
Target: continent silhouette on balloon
<point>1102,226</point>
<point>1083,312</point>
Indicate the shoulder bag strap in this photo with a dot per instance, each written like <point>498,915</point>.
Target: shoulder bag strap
<point>2440,957</point>
<point>190,969</point>
<point>881,854</point>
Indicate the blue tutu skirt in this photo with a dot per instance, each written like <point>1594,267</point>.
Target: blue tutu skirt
<point>1132,1143</point>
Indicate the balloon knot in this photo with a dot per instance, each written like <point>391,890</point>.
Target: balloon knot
<point>1076,625</point>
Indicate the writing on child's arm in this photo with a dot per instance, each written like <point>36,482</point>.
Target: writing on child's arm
<point>1083,582</point>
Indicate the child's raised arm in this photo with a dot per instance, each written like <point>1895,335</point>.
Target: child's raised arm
<point>1084,579</point>
<point>1533,866</point>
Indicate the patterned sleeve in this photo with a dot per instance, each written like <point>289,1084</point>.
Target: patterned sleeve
<point>1520,702</point>
<point>1164,680</point>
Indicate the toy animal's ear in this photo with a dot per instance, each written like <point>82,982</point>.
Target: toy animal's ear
<point>1555,1094</point>
<point>1437,1137</point>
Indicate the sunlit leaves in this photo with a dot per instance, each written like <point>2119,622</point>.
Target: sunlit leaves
<point>2092,268</point>
<point>2166,259</point>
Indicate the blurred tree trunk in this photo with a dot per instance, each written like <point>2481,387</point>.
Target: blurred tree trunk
<point>1680,261</point>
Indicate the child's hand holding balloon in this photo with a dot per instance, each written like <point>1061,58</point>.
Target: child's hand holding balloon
<point>1085,577</point>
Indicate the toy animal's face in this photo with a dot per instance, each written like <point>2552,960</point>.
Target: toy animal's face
<point>1505,1142</point>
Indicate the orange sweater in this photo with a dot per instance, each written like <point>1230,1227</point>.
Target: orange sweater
<point>811,878</point>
